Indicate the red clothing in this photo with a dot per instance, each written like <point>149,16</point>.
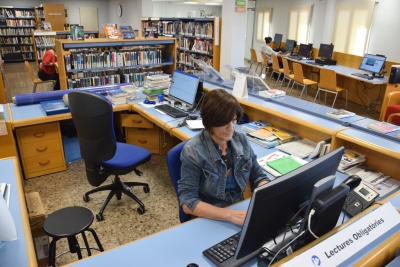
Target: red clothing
<point>49,57</point>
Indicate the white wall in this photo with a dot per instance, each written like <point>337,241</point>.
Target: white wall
<point>384,28</point>
<point>131,13</point>
<point>164,9</point>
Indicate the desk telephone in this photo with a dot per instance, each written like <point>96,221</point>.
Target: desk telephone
<point>359,198</point>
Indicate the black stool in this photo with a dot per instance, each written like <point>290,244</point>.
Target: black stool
<point>67,223</point>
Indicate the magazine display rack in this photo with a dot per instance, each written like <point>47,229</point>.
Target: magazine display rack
<point>94,62</point>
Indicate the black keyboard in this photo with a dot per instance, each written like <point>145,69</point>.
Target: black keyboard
<point>222,254</point>
<point>173,112</point>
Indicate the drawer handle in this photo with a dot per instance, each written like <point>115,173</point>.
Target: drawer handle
<point>44,162</point>
<point>38,134</point>
<point>41,149</point>
<point>142,141</point>
<point>137,121</point>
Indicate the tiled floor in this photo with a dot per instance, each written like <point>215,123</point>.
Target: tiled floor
<point>122,223</point>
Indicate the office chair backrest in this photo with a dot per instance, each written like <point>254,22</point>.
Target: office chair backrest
<point>286,67</point>
<point>28,67</point>
<point>264,58</point>
<point>298,73</point>
<point>275,62</point>
<point>174,167</point>
<point>327,79</point>
<point>93,120</point>
<point>253,55</point>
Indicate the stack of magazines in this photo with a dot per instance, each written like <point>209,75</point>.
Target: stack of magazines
<point>276,137</point>
<point>350,159</point>
<point>254,125</point>
<point>117,96</point>
<point>156,84</point>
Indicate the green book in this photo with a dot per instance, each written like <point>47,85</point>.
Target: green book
<point>284,165</point>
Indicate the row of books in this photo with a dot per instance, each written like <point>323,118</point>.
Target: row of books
<point>197,29</point>
<point>185,58</point>
<point>40,13</point>
<point>16,40</point>
<point>21,31</point>
<point>20,22</point>
<point>16,13</point>
<point>78,60</point>
<point>196,45</point>
<point>93,81</point>
<point>27,56</point>
<point>15,49</point>
<point>43,41</point>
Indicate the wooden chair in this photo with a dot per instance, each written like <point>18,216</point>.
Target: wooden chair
<point>275,68</point>
<point>327,83</point>
<point>287,75</point>
<point>254,59</point>
<point>265,64</point>
<point>35,80</point>
<point>298,79</point>
<point>391,108</point>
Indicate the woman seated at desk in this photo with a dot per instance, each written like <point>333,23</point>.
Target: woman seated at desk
<point>218,162</point>
<point>48,68</point>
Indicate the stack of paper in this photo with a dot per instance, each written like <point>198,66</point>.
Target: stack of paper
<point>300,148</point>
<point>156,84</point>
<point>280,167</point>
<point>117,96</point>
<point>383,127</point>
<point>350,159</point>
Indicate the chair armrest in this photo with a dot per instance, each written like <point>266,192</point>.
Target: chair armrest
<point>391,116</point>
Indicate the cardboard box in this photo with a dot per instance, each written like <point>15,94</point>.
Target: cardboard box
<point>36,218</point>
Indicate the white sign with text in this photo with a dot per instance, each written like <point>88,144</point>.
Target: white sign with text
<point>342,245</point>
<point>240,86</point>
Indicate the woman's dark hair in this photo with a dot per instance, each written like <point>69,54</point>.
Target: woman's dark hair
<point>268,40</point>
<point>219,108</point>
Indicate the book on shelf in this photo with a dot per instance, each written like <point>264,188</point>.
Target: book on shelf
<point>150,32</point>
<point>254,125</point>
<point>299,148</point>
<point>349,159</point>
<point>383,127</point>
<point>282,133</point>
<point>77,32</point>
<point>46,26</point>
<point>110,31</point>
<point>263,161</point>
<point>272,93</point>
<point>117,96</point>
<point>127,32</point>
<point>261,134</point>
<point>318,149</point>
<point>264,143</point>
<point>340,113</point>
<point>325,149</point>
<point>53,107</point>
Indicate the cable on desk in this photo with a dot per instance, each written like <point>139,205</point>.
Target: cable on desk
<point>165,123</point>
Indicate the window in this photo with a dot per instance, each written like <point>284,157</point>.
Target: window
<point>351,27</point>
<point>299,23</point>
<point>263,23</point>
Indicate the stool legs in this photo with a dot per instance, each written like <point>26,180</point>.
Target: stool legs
<point>96,239</point>
<point>52,252</point>
<point>74,246</point>
<point>86,244</point>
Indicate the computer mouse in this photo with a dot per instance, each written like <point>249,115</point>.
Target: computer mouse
<point>370,77</point>
<point>192,117</point>
<point>352,181</point>
<point>192,265</point>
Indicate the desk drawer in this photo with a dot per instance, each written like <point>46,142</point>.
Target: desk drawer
<point>43,162</point>
<point>135,120</point>
<point>40,148</point>
<point>142,131</point>
<point>150,142</point>
<point>40,132</point>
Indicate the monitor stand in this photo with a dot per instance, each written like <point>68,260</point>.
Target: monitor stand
<point>329,62</point>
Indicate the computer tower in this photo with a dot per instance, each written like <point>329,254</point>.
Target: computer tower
<point>395,74</point>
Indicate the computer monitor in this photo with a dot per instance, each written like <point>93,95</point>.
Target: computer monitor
<point>304,50</point>
<point>184,88</point>
<point>290,45</point>
<point>274,205</point>
<point>278,38</point>
<point>325,51</point>
<point>372,63</point>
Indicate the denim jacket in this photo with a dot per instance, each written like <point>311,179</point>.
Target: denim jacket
<point>203,172</point>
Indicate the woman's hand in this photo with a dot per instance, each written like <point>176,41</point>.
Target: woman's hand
<point>237,217</point>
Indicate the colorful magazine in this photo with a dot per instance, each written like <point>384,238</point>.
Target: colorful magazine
<point>383,127</point>
<point>340,113</point>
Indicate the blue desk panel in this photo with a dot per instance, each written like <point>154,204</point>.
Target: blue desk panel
<point>13,253</point>
<point>26,112</point>
<point>363,126</point>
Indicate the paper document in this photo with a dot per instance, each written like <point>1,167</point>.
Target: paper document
<point>194,124</point>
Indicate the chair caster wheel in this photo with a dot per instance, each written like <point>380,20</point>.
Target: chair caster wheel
<point>141,210</point>
<point>86,198</point>
<point>99,217</point>
<point>146,189</point>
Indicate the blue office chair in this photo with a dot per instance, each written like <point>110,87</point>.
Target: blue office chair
<point>174,167</point>
<point>103,155</point>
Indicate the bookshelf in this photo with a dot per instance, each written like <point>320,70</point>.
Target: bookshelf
<point>96,62</point>
<point>197,37</point>
<point>45,39</point>
<point>16,26</point>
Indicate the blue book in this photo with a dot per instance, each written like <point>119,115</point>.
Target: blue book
<point>52,107</point>
<point>255,125</point>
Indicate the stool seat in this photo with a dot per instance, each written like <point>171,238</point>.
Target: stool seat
<point>67,223</point>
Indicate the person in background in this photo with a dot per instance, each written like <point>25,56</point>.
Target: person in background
<point>267,49</point>
<point>218,162</point>
<point>47,68</point>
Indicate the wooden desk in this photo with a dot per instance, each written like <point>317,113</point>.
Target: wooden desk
<point>7,142</point>
<point>20,252</point>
